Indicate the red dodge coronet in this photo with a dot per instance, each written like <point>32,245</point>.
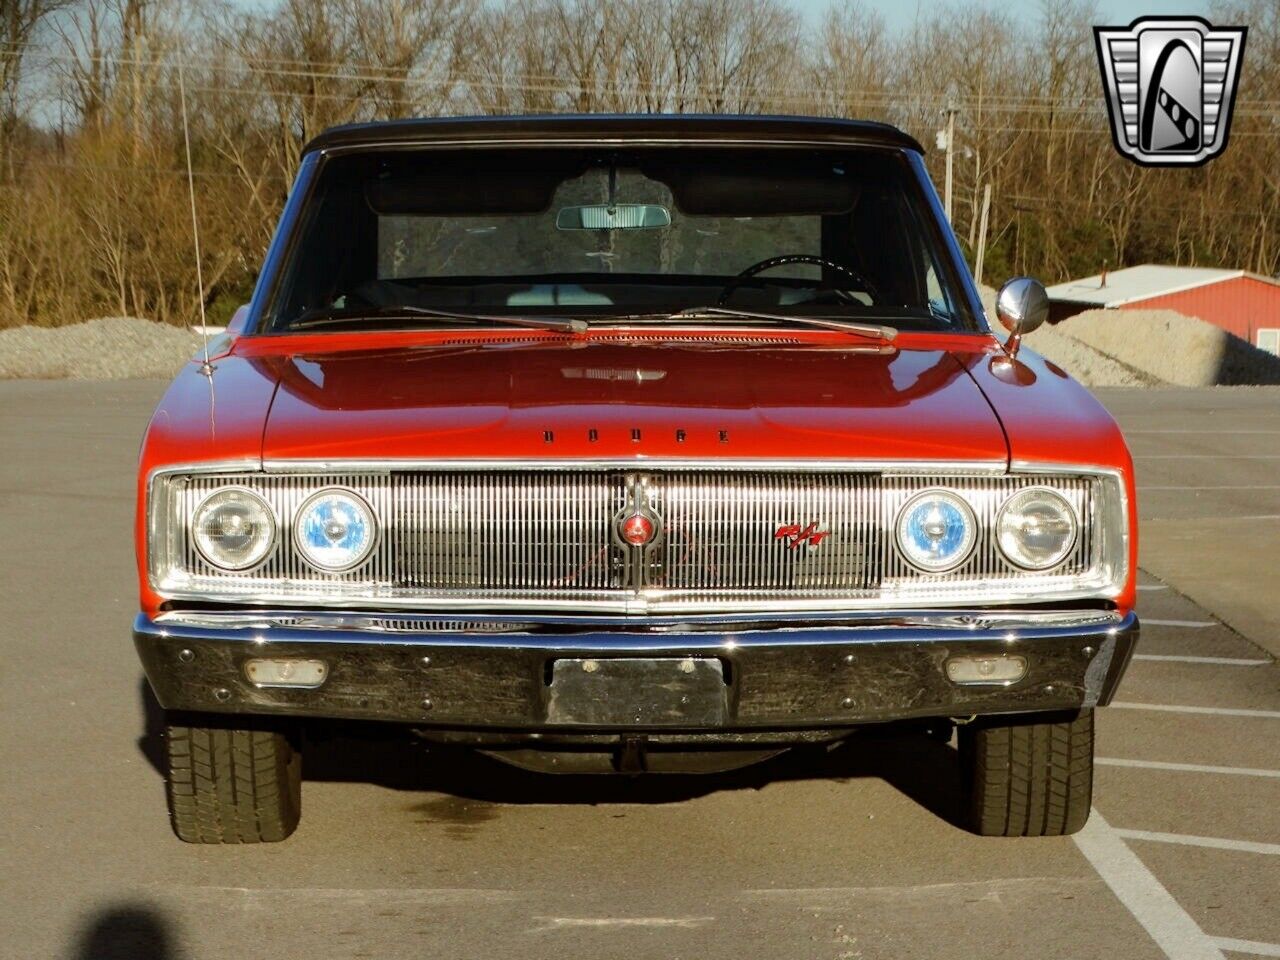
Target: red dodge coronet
<point>628,444</point>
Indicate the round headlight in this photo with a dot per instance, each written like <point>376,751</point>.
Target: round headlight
<point>1036,528</point>
<point>234,529</point>
<point>936,531</point>
<point>335,530</point>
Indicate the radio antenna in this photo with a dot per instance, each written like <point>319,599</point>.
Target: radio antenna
<point>205,368</point>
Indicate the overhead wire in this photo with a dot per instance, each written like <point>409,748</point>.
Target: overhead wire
<point>543,83</point>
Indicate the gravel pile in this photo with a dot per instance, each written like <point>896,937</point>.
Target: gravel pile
<point>1134,348</point>
<point>111,348</point>
<point>1172,347</point>
<point>1085,363</point>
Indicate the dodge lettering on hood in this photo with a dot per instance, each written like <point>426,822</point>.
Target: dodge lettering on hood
<point>630,445</point>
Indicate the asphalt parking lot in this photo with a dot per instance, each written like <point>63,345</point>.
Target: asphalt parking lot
<point>847,854</point>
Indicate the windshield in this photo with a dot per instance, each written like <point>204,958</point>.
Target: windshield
<point>640,234</point>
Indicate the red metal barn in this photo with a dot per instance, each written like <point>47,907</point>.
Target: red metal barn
<point>1245,304</point>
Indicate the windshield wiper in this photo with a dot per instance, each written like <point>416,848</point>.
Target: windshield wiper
<point>333,317</point>
<point>875,330</point>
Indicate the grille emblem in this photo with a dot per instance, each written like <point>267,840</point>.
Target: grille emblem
<point>637,529</point>
<point>793,534</point>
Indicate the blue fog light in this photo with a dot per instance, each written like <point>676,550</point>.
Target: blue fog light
<point>335,530</point>
<point>936,531</point>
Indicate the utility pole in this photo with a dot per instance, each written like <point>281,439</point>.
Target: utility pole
<point>982,233</point>
<point>951,145</point>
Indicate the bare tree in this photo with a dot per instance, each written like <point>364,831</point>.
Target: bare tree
<point>20,23</point>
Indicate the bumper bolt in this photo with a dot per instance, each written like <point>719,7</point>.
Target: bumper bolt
<point>427,704</point>
<point>425,661</point>
<point>186,655</point>
<point>847,703</point>
<point>222,694</point>
<point>849,658</point>
<point>1087,651</point>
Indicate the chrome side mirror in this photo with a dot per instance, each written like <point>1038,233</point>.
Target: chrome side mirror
<point>1021,306</point>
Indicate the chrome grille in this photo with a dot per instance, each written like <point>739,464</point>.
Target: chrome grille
<point>486,539</point>
<point>720,534</point>
<point>505,533</point>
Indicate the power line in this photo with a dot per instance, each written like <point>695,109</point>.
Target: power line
<point>135,168</point>
<point>1102,208</point>
<point>544,83</point>
<point>445,88</point>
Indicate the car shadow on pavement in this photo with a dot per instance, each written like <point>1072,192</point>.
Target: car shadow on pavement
<point>126,932</point>
<point>921,767</point>
<point>918,765</point>
<point>151,742</point>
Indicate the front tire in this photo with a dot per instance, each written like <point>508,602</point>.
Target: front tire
<point>1028,779</point>
<point>228,784</point>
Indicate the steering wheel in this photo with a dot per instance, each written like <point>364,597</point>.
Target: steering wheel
<point>863,283</point>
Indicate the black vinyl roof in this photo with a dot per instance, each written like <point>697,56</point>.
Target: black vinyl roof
<point>626,127</point>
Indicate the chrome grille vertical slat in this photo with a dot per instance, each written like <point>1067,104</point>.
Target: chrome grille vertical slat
<point>500,527</point>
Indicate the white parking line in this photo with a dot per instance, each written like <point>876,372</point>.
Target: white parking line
<point>1254,947</point>
<point>1185,767</point>
<point>1243,486</point>
<point>1213,661</point>
<point>547,924</point>
<point>1171,927</point>
<point>1208,456</point>
<point>1255,516</point>
<point>1180,708</point>
<point>1193,624</point>
<point>1152,586</point>
<point>1216,843</point>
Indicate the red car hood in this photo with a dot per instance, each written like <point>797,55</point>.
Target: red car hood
<point>811,398</point>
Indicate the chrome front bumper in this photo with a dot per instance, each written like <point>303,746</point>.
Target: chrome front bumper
<point>781,672</point>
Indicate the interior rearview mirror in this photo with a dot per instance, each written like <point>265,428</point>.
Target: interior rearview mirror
<point>620,216</point>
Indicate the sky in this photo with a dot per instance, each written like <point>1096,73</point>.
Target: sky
<point>899,14</point>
